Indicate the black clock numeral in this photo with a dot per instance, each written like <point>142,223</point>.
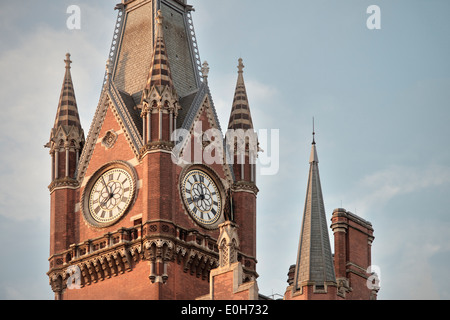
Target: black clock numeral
<point>189,200</point>
<point>214,212</point>
<point>202,179</point>
<point>111,176</point>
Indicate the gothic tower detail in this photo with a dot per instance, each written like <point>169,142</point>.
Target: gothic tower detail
<point>128,221</point>
<point>160,103</point>
<point>157,202</point>
<point>66,143</point>
<point>314,276</point>
<point>67,135</point>
<point>242,143</point>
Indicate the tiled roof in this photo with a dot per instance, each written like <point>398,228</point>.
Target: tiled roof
<point>67,113</point>
<point>241,117</point>
<point>314,263</point>
<point>159,75</point>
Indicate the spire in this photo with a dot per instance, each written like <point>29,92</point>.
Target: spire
<point>241,117</point>
<point>159,96</point>
<point>67,135</point>
<point>314,265</point>
<point>159,75</point>
<point>67,114</point>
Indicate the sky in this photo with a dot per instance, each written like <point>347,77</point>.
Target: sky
<point>379,97</point>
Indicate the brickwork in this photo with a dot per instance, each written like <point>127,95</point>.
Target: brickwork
<point>156,249</point>
<point>353,239</point>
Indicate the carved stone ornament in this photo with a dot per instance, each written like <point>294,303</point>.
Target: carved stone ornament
<point>109,139</point>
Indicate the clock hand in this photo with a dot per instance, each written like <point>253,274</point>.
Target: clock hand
<point>106,186</point>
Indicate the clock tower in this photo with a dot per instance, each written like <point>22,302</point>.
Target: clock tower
<point>136,205</point>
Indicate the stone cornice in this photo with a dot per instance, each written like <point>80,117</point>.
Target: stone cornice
<point>64,183</point>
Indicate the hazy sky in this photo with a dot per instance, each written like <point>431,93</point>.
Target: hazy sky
<point>380,99</point>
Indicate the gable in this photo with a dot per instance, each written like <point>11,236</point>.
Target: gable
<point>113,121</point>
<point>202,139</point>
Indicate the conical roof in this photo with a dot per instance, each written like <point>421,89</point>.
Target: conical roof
<point>159,75</point>
<point>67,113</point>
<point>240,117</point>
<point>314,265</point>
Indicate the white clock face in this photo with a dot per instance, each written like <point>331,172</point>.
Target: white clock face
<point>111,195</point>
<point>201,197</point>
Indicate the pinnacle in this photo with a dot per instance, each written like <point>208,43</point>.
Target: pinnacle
<point>159,74</point>
<point>67,114</point>
<point>240,114</point>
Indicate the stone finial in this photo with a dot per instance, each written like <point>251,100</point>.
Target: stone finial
<point>159,18</point>
<point>205,71</point>
<point>241,66</point>
<point>67,61</point>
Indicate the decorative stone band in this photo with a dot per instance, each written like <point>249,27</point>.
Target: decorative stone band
<point>64,183</point>
<point>116,253</point>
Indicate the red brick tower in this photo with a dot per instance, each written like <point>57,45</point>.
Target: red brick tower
<point>66,143</point>
<point>137,214</point>
<point>243,142</point>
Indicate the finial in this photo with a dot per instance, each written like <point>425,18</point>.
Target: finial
<point>314,133</point>
<point>68,61</point>
<point>159,18</point>
<point>205,71</point>
<point>241,66</point>
<point>108,67</point>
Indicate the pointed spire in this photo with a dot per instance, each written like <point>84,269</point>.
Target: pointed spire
<point>67,114</point>
<point>159,74</point>
<point>67,135</point>
<point>314,265</point>
<point>241,117</point>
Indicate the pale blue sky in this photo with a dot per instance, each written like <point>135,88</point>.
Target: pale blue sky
<point>380,99</point>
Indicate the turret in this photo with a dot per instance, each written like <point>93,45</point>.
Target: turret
<point>242,148</point>
<point>67,136</point>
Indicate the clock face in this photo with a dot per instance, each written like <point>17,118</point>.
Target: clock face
<point>201,197</point>
<point>111,195</point>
